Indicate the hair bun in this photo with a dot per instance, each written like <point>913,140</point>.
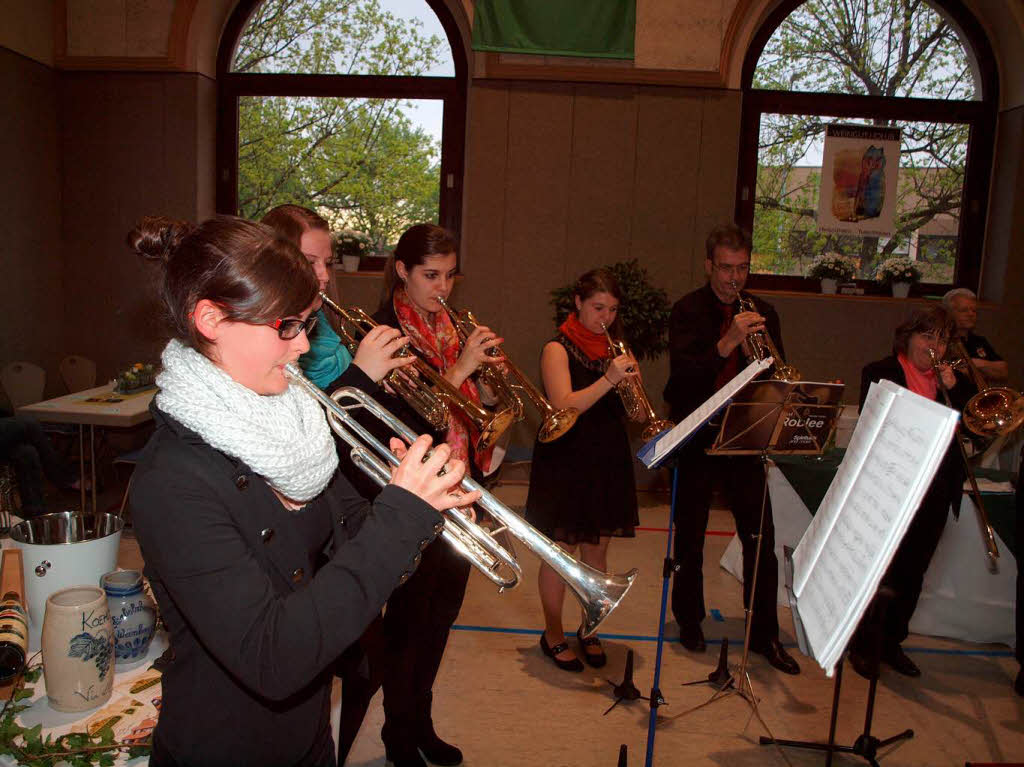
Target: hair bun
<point>157,237</point>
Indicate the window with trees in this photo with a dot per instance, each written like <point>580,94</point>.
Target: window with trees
<point>354,108</point>
<point>922,66</point>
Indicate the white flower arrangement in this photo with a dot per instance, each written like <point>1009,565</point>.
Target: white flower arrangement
<point>351,243</point>
<point>832,266</point>
<point>897,269</point>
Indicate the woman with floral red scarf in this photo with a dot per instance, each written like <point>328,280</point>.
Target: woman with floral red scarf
<point>407,652</point>
<point>582,489</point>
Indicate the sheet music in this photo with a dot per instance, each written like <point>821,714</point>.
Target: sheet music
<point>876,406</point>
<point>868,509</point>
<point>651,453</point>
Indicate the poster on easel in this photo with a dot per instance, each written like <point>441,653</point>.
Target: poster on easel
<point>859,173</point>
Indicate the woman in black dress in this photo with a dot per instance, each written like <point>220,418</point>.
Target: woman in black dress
<point>582,490</point>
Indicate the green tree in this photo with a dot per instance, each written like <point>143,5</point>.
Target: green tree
<point>888,48</point>
<point>361,161</point>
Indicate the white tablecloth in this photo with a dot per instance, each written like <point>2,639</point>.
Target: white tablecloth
<point>960,598</point>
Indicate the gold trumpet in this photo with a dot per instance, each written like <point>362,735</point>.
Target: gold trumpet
<point>995,410</point>
<point>633,395</point>
<point>988,536</point>
<point>598,592</point>
<point>512,385</point>
<point>424,389</point>
<point>761,344</point>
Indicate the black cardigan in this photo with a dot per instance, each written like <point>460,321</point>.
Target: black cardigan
<point>254,626</point>
<point>693,333</point>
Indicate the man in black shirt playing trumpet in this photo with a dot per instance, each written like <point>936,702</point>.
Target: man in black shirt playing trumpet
<point>707,336</point>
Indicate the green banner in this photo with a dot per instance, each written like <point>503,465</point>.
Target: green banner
<point>595,28</point>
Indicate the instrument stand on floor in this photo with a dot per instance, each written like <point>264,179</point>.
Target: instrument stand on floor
<point>625,690</point>
<point>768,418</point>
<point>762,416</point>
<point>866,745</point>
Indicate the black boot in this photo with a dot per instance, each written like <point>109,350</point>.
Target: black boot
<point>437,751</point>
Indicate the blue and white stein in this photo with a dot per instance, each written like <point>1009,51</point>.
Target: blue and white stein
<point>132,613</point>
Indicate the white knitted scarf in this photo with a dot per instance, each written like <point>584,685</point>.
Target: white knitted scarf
<point>282,437</point>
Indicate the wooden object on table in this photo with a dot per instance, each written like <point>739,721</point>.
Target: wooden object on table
<point>12,578</point>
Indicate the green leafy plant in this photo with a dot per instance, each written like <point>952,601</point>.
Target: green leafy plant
<point>897,269</point>
<point>29,748</point>
<point>644,310</point>
<point>832,266</point>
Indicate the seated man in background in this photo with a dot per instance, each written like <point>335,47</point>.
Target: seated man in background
<point>26,446</point>
<point>962,304</point>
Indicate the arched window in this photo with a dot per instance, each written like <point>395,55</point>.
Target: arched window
<point>923,67</point>
<point>355,108</point>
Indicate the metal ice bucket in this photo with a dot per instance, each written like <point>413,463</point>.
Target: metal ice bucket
<point>68,548</point>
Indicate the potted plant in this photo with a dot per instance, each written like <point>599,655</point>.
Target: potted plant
<point>644,311</point>
<point>351,246</point>
<point>900,273</point>
<point>138,376</point>
<point>830,268</point>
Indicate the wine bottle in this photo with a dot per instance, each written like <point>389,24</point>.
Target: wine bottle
<point>13,636</point>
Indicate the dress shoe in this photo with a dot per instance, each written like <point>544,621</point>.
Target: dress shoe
<point>438,752</point>
<point>778,657</point>
<point>692,638</point>
<point>566,665</point>
<point>595,659</point>
<point>898,659</point>
<point>403,757</point>
<point>862,664</point>
<point>1018,686</point>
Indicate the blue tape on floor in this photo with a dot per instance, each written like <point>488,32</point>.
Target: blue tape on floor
<point>737,642</point>
<point>717,615</point>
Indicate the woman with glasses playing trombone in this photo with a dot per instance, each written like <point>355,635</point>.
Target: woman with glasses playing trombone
<point>236,496</point>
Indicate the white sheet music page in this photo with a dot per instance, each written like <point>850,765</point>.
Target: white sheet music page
<point>876,406</point>
<point>884,477</point>
<point>668,441</point>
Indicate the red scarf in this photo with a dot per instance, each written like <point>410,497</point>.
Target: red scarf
<point>594,345</point>
<point>918,381</point>
<point>438,341</point>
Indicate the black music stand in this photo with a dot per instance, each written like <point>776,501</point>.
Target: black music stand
<point>866,745</point>
<point>770,418</point>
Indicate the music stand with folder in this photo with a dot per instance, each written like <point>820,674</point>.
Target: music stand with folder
<point>771,418</point>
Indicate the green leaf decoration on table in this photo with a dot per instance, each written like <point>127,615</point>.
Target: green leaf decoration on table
<point>78,749</point>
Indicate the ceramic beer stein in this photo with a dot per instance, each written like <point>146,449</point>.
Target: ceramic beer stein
<point>78,649</point>
<point>132,614</point>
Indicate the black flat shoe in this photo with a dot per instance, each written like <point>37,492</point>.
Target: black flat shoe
<point>899,661</point>
<point>777,656</point>
<point>595,659</point>
<point>437,752</point>
<point>692,638</point>
<point>566,665</point>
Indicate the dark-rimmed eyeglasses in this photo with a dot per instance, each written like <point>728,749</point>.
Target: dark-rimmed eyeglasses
<point>288,329</point>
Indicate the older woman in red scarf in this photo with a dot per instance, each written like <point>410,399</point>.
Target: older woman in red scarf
<point>886,623</point>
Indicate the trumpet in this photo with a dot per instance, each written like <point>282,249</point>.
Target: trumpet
<point>598,593</point>
<point>995,410</point>
<point>425,390</point>
<point>511,384</point>
<point>761,344</point>
<point>634,397</point>
<point>988,536</point>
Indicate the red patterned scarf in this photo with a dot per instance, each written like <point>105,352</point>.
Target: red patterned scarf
<point>438,341</point>
<point>594,345</point>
